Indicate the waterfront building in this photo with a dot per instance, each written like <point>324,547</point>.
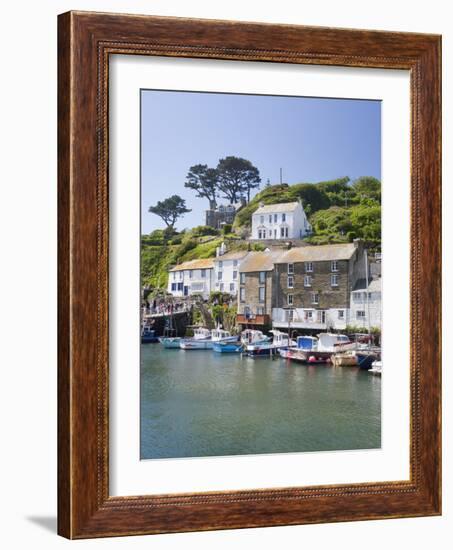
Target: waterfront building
<point>193,277</point>
<point>217,216</point>
<point>313,284</point>
<point>366,311</point>
<point>256,289</point>
<point>226,270</point>
<point>280,222</point>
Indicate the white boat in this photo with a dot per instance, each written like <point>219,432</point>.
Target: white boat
<point>376,368</point>
<point>201,340</point>
<point>249,337</point>
<point>171,342</point>
<point>220,335</point>
<point>331,343</point>
<point>280,340</point>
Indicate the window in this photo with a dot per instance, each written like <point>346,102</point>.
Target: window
<point>321,317</point>
<point>260,234</point>
<point>262,276</point>
<point>242,295</point>
<point>190,274</point>
<point>282,231</point>
<point>220,265</point>
<point>242,277</point>
<point>307,280</point>
<point>180,286</point>
<point>260,310</point>
<point>341,314</point>
<point>286,231</point>
<point>173,286</point>
<point>261,219</point>
<point>219,275</point>
<point>231,287</point>
<point>181,273</point>
<point>203,273</point>
<point>275,233</point>
<point>275,218</point>
<point>334,265</point>
<point>360,314</point>
<point>334,280</point>
<point>261,294</point>
<point>315,298</point>
<point>283,217</point>
<point>221,287</point>
<point>290,281</point>
<point>264,234</point>
<point>235,274</point>
<point>174,275</point>
<point>290,269</point>
<point>309,315</point>
<point>290,299</point>
<point>270,218</point>
<point>308,267</point>
<point>235,263</point>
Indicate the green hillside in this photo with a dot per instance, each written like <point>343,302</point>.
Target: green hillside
<point>338,210</point>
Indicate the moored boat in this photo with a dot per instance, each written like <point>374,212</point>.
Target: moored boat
<point>148,335</point>
<point>376,368</point>
<point>344,359</point>
<point>228,347</point>
<point>280,340</point>
<point>250,337</point>
<point>201,340</point>
<point>220,335</point>
<point>170,342</point>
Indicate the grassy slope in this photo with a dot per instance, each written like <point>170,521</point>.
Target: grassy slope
<point>323,203</point>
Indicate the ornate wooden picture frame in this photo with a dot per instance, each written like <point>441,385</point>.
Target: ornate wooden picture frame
<point>85,508</point>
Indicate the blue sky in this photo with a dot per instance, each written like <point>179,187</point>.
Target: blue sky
<point>311,139</point>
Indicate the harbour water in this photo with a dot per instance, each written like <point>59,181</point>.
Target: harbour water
<point>200,403</point>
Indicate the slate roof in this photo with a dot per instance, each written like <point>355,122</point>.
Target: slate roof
<point>194,264</point>
<point>275,208</point>
<point>320,253</point>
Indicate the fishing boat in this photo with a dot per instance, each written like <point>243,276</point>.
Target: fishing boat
<point>148,335</point>
<point>220,335</point>
<point>201,340</point>
<point>365,358</point>
<point>228,347</point>
<point>171,342</point>
<point>249,337</point>
<point>300,352</point>
<point>318,350</point>
<point>280,340</point>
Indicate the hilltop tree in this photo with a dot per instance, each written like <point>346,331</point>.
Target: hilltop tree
<point>170,210</point>
<point>205,181</point>
<point>368,187</point>
<point>237,176</point>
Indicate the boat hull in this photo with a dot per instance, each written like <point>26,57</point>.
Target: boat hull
<point>196,344</point>
<point>171,343</point>
<point>227,347</point>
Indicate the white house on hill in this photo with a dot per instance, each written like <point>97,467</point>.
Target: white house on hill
<point>280,221</point>
<point>193,277</point>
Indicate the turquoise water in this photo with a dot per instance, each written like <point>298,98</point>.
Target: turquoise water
<point>200,403</point>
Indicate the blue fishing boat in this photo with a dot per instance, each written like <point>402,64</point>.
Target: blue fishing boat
<point>148,335</point>
<point>228,347</point>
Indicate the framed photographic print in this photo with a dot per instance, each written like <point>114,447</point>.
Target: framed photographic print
<point>249,275</point>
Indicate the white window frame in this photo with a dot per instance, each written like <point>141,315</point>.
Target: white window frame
<point>307,281</point>
<point>334,265</point>
<point>290,279</point>
<point>341,314</point>
<point>361,317</point>
<point>219,275</point>
<point>203,273</point>
<point>290,299</point>
<point>334,279</point>
<point>242,295</point>
<point>262,277</point>
<point>242,278</point>
<point>235,274</point>
<point>290,269</point>
<point>315,298</point>
<point>308,267</point>
<point>262,290</point>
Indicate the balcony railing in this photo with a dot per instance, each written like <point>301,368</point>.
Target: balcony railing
<point>252,319</point>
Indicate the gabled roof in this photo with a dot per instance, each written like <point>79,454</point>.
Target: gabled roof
<point>320,253</point>
<point>234,255</point>
<point>207,263</point>
<point>259,261</point>
<point>275,208</point>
